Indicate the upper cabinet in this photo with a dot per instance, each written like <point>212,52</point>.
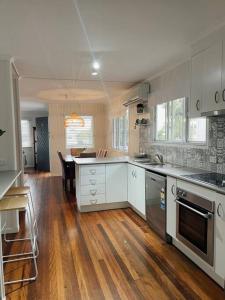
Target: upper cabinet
<point>207,80</point>
<point>195,106</point>
<point>212,74</point>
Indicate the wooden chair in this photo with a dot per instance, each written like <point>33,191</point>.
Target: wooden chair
<point>76,151</point>
<point>68,171</point>
<point>102,153</point>
<point>87,155</point>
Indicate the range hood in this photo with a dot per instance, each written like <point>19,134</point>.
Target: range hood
<point>213,113</point>
<point>138,93</point>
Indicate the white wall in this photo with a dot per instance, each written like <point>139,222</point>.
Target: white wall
<point>9,142</point>
<point>57,113</point>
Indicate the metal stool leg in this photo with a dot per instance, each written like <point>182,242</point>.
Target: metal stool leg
<point>33,257</point>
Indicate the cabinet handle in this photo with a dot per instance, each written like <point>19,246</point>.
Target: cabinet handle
<point>216,98</point>
<point>93,192</point>
<point>93,171</point>
<point>223,95</point>
<point>92,181</point>
<point>94,201</point>
<point>172,189</point>
<point>218,210</point>
<point>197,105</point>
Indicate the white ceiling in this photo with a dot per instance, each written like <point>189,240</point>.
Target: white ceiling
<point>132,39</point>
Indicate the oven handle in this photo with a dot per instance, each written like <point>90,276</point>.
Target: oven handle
<point>206,216</point>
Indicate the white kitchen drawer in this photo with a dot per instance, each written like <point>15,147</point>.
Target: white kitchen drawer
<point>92,179</point>
<point>93,170</point>
<point>86,190</point>
<point>92,200</point>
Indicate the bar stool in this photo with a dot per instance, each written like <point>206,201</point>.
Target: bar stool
<point>18,203</point>
<point>23,191</point>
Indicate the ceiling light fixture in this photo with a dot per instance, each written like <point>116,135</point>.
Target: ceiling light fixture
<point>96,65</point>
<point>94,73</point>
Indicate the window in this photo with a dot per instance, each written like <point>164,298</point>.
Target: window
<point>161,112</point>
<point>120,133</point>
<point>197,130</point>
<point>26,134</point>
<point>80,136</point>
<point>171,123</point>
<point>177,120</point>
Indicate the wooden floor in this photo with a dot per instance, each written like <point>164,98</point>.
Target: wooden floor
<point>103,255</point>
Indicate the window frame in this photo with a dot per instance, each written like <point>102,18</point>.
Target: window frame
<point>186,140</point>
<point>82,146</point>
<point>117,131</point>
<point>30,144</point>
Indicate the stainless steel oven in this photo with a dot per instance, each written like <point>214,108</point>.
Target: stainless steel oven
<point>195,224</point>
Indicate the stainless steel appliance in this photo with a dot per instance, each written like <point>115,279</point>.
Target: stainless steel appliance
<point>155,197</point>
<point>195,224</point>
<point>209,178</point>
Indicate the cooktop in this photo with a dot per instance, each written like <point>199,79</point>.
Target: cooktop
<point>209,178</point>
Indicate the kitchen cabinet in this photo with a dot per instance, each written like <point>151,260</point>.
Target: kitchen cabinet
<point>219,235</point>
<point>212,74</point>
<point>116,182</point>
<point>171,206</point>
<point>136,188</point>
<point>196,100</point>
<point>206,77</point>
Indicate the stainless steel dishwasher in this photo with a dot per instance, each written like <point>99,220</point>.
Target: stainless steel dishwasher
<point>155,197</point>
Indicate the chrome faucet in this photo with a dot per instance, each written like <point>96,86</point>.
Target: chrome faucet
<point>160,158</point>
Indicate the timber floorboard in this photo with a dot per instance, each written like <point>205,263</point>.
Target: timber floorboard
<point>100,255</point>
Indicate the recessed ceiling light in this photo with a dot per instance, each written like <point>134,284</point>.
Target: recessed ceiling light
<point>94,73</point>
<point>96,65</point>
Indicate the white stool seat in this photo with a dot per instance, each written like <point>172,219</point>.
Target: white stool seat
<point>13,203</point>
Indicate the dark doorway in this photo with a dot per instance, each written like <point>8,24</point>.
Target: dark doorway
<point>42,144</point>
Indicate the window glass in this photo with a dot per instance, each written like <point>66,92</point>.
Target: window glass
<point>161,120</point>
<point>197,130</point>
<point>177,120</point>
<point>120,133</point>
<point>80,136</point>
<point>26,133</point>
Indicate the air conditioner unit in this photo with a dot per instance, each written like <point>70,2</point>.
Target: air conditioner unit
<point>138,93</point>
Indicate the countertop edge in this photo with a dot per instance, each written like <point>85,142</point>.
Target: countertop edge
<point>11,181</point>
<point>165,172</point>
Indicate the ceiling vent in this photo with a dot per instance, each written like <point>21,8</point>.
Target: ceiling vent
<point>138,93</point>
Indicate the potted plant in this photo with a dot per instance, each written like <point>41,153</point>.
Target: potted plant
<point>2,132</point>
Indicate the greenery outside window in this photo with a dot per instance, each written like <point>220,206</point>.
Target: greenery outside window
<point>172,124</point>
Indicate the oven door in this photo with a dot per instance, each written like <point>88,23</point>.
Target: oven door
<point>195,229</point>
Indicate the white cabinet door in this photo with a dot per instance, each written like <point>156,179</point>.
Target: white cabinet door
<point>223,76</point>
<point>195,104</point>
<point>220,235</point>
<point>131,185</point>
<point>212,99</point>
<point>139,178</point>
<point>171,206</point>
<point>136,187</point>
<point>116,182</point>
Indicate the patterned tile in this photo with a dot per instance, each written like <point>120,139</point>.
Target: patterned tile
<point>211,158</point>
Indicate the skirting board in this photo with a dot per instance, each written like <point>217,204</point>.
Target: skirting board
<point>105,206</point>
<point>138,212</point>
<point>199,262</point>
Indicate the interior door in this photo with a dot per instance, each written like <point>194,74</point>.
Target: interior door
<point>42,144</point>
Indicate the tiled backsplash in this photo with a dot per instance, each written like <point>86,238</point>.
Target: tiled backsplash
<point>210,157</point>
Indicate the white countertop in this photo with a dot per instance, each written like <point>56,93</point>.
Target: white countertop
<point>7,178</point>
<point>105,160</point>
<point>166,169</point>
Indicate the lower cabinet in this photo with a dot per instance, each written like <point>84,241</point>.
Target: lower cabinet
<point>116,182</point>
<point>219,234</point>
<point>136,188</point>
<point>171,206</point>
